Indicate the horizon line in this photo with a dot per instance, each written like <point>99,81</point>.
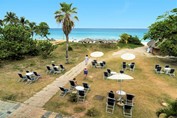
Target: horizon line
<point>98,28</point>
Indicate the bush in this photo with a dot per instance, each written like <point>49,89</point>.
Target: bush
<point>126,38</point>
<point>92,112</point>
<point>70,48</point>
<point>46,48</point>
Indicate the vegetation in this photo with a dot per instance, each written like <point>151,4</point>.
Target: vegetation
<point>165,31</point>
<point>64,16</point>
<point>171,110</point>
<point>16,38</point>
<point>129,39</point>
<point>92,112</point>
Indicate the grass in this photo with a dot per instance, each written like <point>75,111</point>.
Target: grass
<point>149,88</point>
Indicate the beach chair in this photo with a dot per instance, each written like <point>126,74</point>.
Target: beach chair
<point>124,66</point>
<point>156,67</point>
<point>110,105</point>
<point>172,72</point>
<point>104,63</point>
<point>129,99</point>
<point>109,72</point>
<point>22,78</point>
<point>111,95</point>
<point>86,87</point>
<point>101,65</point>
<point>132,66</point>
<point>121,71</point>
<point>72,84</point>
<point>53,64</point>
<point>93,64</point>
<point>56,70</point>
<point>127,111</point>
<point>37,76</point>
<point>64,91</point>
<point>30,79</point>
<point>159,70</point>
<point>105,75</point>
<point>81,96</point>
<point>62,68</point>
<point>49,70</point>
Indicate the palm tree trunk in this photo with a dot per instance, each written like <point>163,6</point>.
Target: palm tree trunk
<point>67,45</point>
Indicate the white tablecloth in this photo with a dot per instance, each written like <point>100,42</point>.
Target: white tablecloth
<point>79,88</point>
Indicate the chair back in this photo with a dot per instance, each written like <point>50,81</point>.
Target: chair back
<point>95,61</point>
<point>20,75</point>
<point>81,93</point>
<point>159,68</point>
<point>105,74</point>
<point>124,66</point>
<point>104,62</point>
<point>85,85</point>
<point>109,71</point>
<point>61,66</point>
<point>62,89</point>
<point>111,95</point>
<point>129,96</point>
<point>132,66</point>
<point>72,83</point>
<point>167,66</point>
<point>55,69</point>
<point>101,64</point>
<point>29,77</point>
<point>35,73</point>
<point>156,66</point>
<point>27,71</point>
<point>48,68</point>
<point>123,63</point>
<point>53,64</point>
<point>127,107</point>
<point>172,71</point>
<point>121,71</point>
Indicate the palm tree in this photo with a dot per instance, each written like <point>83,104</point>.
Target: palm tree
<point>11,18</point>
<point>23,21</point>
<point>65,16</point>
<point>32,26</point>
<point>1,22</point>
<point>170,111</point>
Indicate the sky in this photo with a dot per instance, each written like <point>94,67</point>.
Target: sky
<point>92,13</point>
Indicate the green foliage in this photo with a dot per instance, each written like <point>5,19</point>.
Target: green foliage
<point>73,97</point>
<point>165,31</point>
<point>108,45</point>
<point>79,109</point>
<point>92,112</point>
<point>70,48</point>
<point>43,30</point>
<point>170,110</point>
<point>46,48</point>
<point>129,39</point>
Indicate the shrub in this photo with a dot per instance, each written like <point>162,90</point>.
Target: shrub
<point>46,48</point>
<point>126,38</point>
<point>73,98</point>
<point>92,112</point>
<point>70,48</point>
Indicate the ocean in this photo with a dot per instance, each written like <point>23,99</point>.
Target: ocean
<point>95,33</point>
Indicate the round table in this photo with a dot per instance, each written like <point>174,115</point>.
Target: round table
<point>120,99</point>
<point>30,73</point>
<point>80,88</point>
<point>120,92</point>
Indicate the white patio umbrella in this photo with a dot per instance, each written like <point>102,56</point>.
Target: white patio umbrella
<point>128,56</point>
<point>96,54</point>
<point>121,77</point>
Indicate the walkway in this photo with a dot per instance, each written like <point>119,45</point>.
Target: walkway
<point>32,108</point>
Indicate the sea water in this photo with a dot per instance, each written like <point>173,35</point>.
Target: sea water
<point>95,33</point>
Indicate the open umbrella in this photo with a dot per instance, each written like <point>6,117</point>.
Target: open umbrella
<point>96,54</point>
<point>128,56</point>
<point>120,77</point>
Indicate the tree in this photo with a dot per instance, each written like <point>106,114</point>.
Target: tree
<point>171,110</point>
<point>11,18</point>
<point>65,16</point>
<point>43,30</point>
<point>165,31</point>
<point>32,26</point>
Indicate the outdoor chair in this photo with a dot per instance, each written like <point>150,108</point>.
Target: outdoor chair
<point>111,95</point>
<point>72,84</point>
<point>109,72</point>
<point>121,71</point>
<point>37,76</point>
<point>22,78</point>
<point>172,72</point>
<point>156,66</point>
<point>104,63</point>
<point>95,61</point>
<point>101,65</point>
<point>106,75</point>
<point>124,63</point>
<point>81,96</point>
<point>64,91</point>
<point>93,64</point>
<point>124,66</point>
<point>62,68</point>
<point>167,66</point>
<point>49,70</point>
<point>110,105</point>
<point>159,70</point>
<point>127,111</point>
<point>129,99</point>
<point>132,67</point>
<point>86,87</point>
<point>27,71</point>
<point>56,70</point>
<point>30,79</point>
